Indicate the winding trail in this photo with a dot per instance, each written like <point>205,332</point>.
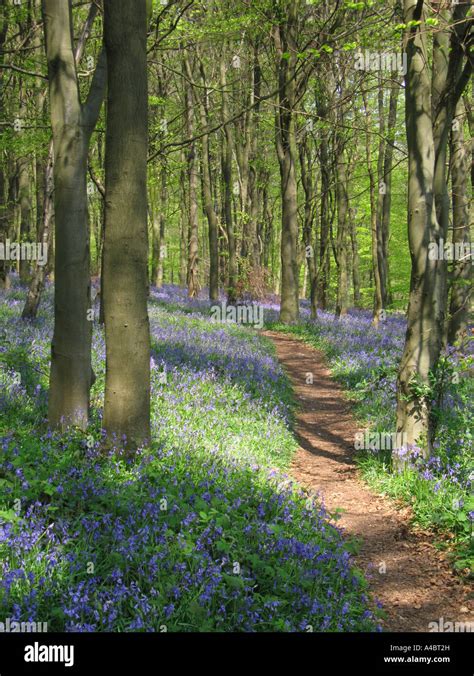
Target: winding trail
<point>406,573</point>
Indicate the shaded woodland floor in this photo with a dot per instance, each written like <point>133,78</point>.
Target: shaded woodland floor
<point>411,578</point>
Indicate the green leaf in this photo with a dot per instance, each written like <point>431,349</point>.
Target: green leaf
<point>8,515</point>
<point>234,581</point>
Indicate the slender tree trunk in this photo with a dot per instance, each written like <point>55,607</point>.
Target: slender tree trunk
<point>127,331</point>
<point>287,157</point>
<point>268,224</point>
<point>324,245</point>
<point>35,290</point>
<point>342,235</point>
<point>385,198</point>
<point>162,251</point>
<point>254,191</point>
<point>159,223</point>
<point>155,234</point>
<point>184,219</point>
<point>227,177</point>
<point>26,210</point>
<point>12,211</point>
<point>246,147</point>
<point>462,271</point>
<point>374,223</point>
<point>40,192</point>
<point>193,239</point>
<point>207,194</point>
<point>307,181</point>
<point>4,279</point>
<point>71,372</point>
<point>159,228</point>
<point>45,194</point>
<point>355,259</point>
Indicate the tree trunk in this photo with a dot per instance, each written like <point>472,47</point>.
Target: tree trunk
<point>374,223</point>
<point>35,290</point>
<point>342,234</point>
<point>227,177</point>
<point>193,238</point>
<point>207,194</point>
<point>127,331</point>
<point>72,123</point>
<point>287,156</point>
<point>310,249</point>
<point>4,279</point>
<point>45,193</point>
<point>159,227</point>
<point>355,259</point>
<point>184,218</point>
<point>385,203</point>
<point>429,109</point>
<point>462,272</point>
<point>324,242</point>
<point>26,210</point>
<point>162,253</point>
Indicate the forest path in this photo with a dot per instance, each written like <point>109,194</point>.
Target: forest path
<point>406,573</point>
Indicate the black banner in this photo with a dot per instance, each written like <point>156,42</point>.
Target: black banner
<point>137,654</point>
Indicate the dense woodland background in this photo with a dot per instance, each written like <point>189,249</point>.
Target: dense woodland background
<point>248,147</point>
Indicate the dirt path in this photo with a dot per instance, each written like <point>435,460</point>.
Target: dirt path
<point>407,574</point>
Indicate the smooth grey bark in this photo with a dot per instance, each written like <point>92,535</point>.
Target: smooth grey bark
<point>162,227</point>
<point>125,288</point>
<point>159,220</point>
<point>183,240</point>
<point>325,220</point>
<point>255,175</point>
<point>206,180</point>
<point>11,212</point>
<point>374,223</point>
<point>4,278</point>
<point>429,111</point>
<point>159,227</point>
<point>36,287</point>
<point>267,234</point>
<point>45,193</point>
<point>285,43</point>
<point>449,79</point>
<point>385,198</point>
<point>342,300</point>
<point>248,89</point>
<point>422,342</point>
<point>461,281</point>
<point>355,259</point>
<point>307,181</point>
<point>26,208</point>
<point>192,276</point>
<point>72,123</point>
<point>227,179</point>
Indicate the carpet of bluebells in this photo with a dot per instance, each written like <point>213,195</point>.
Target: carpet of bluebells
<point>202,531</point>
<point>365,360</point>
